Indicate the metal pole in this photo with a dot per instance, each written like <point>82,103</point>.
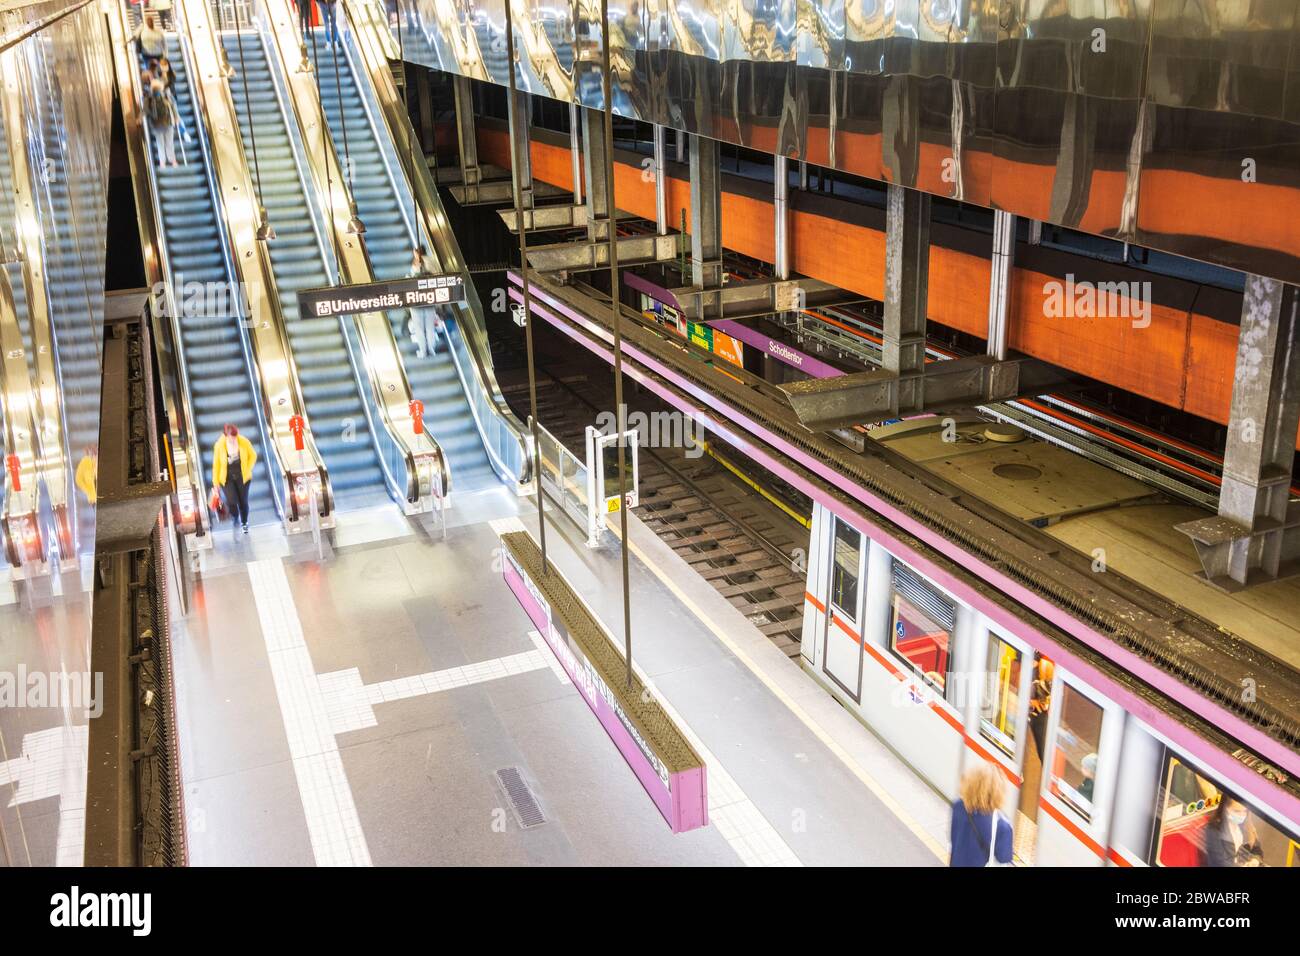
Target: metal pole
<point>661,183</point>
<point>1004,248</point>
<point>618,330</point>
<point>780,211</point>
<point>575,149</point>
<point>517,118</point>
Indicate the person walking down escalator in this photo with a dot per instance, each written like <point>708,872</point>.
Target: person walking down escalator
<point>233,458</point>
<point>329,15</point>
<point>150,37</point>
<point>163,118</point>
<point>164,10</point>
<point>163,70</point>
<point>425,325</point>
<point>304,15</point>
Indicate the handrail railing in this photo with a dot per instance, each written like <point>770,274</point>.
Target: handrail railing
<point>185,451</point>
<point>291,447</point>
<point>48,408</point>
<point>416,455</point>
<point>507,439</point>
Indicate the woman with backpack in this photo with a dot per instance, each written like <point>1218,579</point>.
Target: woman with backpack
<point>163,117</point>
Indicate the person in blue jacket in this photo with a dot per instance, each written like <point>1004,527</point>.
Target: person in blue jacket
<point>980,835</point>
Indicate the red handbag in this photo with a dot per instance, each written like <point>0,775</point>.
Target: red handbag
<point>218,505</point>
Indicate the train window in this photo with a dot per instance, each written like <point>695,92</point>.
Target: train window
<point>1001,706</point>
<point>844,576</point>
<point>1078,738</point>
<point>921,625</point>
<point>1199,824</point>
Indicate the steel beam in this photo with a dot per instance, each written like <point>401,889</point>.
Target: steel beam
<point>586,256</point>
<point>860,398</point>
<point>706,213</point>
<point>520,155</point>
<point>561,216</point>
<point>661,183</point>
<point>907,280</point>
<point>594,167</point>
<point>575,152</point>
<point>1256,535</point>
<point>467,146</point>
<point>781,214</point>
<point>743,300</point>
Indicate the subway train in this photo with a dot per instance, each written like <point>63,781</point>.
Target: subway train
<point>946,686</point>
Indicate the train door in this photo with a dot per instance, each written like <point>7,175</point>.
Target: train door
<point>1037,707</point>
<point>1080,771</point>
<point>842,640</point>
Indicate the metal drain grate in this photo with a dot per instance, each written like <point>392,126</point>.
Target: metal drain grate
<point>527,812</point>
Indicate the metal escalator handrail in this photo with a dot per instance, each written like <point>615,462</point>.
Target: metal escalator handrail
<point>185,449</point>
<point>48,409</point>
<point>21,528</point>
<point>278,491</point>
<point>386,374</point>
<point>369,30</point>
<point>300,468</point>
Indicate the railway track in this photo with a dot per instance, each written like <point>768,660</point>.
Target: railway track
<point>748,549</point>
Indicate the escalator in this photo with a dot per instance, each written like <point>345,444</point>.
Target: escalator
<point>72,291</point>
<point>221,391</point>
<point>381,201</point>
<point>325,372</point>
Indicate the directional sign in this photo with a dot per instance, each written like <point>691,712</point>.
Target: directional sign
<point>415,293</point>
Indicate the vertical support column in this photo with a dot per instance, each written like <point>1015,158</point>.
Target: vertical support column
<point>1262,426</point>
<point>781,213</point>
<point>661,182</point>
<point>907,277</point>
<point>803,175</point>
<point>470,173</point>
<point>594,166</point>
<point>520,158</point>
<point>706,213</point>
<point>1004,253</point>
<point>1035,232</point>
<point>424,96</point>
<point>575,152</point>
<point>679,144</point>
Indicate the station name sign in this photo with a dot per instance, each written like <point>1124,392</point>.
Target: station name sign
<point>414,293</point>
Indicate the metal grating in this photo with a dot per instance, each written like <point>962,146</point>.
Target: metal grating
<point>527,812</point>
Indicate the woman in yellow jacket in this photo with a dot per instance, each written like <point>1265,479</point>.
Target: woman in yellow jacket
<point>87,475</point>
<point>233,448</point>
